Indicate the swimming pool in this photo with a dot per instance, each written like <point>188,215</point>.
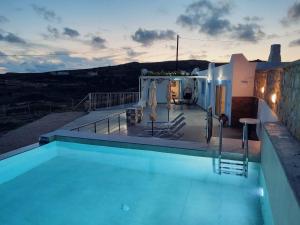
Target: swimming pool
<point>72,183</point>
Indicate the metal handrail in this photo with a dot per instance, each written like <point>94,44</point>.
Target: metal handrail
<point>81,101</point>
<point>108,99</point>
<point>101,120</point>
<point>220,144</point>
<point>245,147</point>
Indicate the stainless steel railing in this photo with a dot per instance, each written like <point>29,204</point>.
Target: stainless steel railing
<point>220,144</point>
<point>245,146</point>
<point>107,119</point>
<point>237,168</point>
<point>95,100</point>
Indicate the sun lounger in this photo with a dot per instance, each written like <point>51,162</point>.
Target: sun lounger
<point>173,132</point>
<point>166,122</point>
<point>167,126</point>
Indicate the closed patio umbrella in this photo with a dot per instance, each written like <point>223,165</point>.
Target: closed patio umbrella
<point>195,92</point>
<point>152,102</point>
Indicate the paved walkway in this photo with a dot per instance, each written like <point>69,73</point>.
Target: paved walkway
<point>29,133</point>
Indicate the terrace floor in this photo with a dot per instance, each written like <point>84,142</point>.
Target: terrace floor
<point>193,131</point>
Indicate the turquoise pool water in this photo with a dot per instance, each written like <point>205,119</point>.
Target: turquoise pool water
<point>69,183</point>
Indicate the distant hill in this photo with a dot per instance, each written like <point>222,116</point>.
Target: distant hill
<point>76,83</point>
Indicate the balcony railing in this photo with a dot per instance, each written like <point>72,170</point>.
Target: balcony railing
<point>107,125</point>
<point>96,100</point>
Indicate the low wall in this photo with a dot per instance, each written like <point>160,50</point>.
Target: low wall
<point>289,105</point>
<point>285,84</point>
<point>281,168</point>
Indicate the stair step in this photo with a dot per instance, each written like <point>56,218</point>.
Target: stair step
<point>232,168</point>
<point>232,163</point>
<point>233,173</point>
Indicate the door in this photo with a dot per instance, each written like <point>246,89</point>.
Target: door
<point>220,99</point>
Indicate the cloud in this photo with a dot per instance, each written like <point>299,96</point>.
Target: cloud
<point>11,38</point>
<point>147,37</point>
<point>250,32</point>
<point>55,33</point>
<point>98,42</point>
<point>207,17</point>
<point>293,14</point>
<point>252,18</point>
<point>71,32</point>
<point>47,14</point>
<point>3,19</point>
<point>59,60</point>
<point>295,43</point>
<point>202,56</point>
<point>272,36</point>
<point>3,70</point>
<point>52,33</point>
<point>131,53</point>
<point>210,17</point>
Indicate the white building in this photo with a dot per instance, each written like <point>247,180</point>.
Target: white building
<point>226,88</point>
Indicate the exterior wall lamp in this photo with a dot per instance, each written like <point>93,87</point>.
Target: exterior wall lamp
<point>273,98</point>
<point>220,79</point>
<point>262,90</point>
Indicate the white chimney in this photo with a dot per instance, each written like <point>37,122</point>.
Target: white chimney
<point>275,56</point>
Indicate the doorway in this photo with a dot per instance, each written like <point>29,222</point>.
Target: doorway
<point>175,89</point>
<point>220,99</point>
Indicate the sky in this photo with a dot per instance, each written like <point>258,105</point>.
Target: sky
<point>38,36</point>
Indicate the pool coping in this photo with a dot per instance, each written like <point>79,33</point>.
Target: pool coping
<point>288,151</point>
<point>18,151</point>
<point>161,145</point>
<point>142,143</point>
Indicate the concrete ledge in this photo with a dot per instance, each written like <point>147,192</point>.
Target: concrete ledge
<point>288,151</point>
<point>231,147</point>
<point>280,162</point>
<point>18,151</point>
<point>149,143</point>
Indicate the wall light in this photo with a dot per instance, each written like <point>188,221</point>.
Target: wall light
<point>220,79</point>
<point>261,192</point>
<point>262,90</point>
<point>273,98</point>
<point>208,79</point>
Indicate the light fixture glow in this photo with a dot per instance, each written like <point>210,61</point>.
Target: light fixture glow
<point>262,90</point>
<point>261,192</point>
<point>273,98</point>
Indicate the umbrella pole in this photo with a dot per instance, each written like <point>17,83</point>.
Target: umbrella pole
<point>152,127</point>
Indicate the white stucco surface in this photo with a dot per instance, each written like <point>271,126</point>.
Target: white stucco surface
<point>243,74</point>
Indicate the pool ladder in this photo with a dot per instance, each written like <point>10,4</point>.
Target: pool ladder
<point>239,165</point>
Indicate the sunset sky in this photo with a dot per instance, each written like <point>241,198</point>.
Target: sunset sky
<point>45,35</point>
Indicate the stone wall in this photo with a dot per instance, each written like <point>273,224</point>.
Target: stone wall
<point>285,84</point>
<point>289,105</point>
<point>268,83</point>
